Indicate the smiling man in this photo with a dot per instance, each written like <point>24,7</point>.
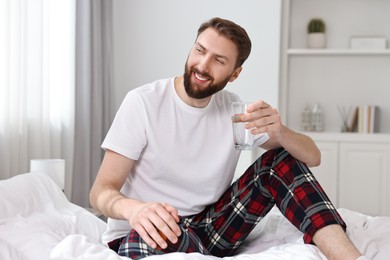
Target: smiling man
<point>165,182</point>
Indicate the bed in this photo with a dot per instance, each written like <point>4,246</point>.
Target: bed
<point>38,222</point>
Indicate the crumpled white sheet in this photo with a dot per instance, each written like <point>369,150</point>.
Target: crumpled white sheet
<point>274,238</point>
<point>37,222</point>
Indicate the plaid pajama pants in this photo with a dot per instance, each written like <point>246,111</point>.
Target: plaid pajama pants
<point>275,178</point>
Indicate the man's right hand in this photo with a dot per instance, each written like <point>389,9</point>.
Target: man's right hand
<point>156,222</point>
<point>147,218</point>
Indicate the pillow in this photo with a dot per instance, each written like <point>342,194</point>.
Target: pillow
<point>35,209</point>
<point>32,196</point>
<point>27,193</point>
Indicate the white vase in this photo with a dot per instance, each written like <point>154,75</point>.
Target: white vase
<point>317,120</point>
<point>316,40</point>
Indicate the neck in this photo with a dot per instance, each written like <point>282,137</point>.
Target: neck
<point>181,92</point>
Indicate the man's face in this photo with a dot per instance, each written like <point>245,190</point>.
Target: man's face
<point>210,65</point>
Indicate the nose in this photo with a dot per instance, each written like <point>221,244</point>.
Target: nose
<point>204,63</point>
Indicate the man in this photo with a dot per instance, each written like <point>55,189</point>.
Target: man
<point>165,180</point>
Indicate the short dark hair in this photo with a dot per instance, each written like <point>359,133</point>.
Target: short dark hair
<point>233,32</point>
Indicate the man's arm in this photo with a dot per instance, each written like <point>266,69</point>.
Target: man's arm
<point>298,145</point>
<point>147,218</point>
<point>263,118</point>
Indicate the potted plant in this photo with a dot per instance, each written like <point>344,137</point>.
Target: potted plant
<point>316,34</point>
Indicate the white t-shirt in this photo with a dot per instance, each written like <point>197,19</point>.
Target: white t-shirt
<point>184,155</point>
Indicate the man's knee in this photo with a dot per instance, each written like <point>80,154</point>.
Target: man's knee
<point>134,246</point>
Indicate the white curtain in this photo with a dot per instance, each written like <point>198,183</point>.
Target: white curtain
<point>93,88</point>
<point>37,83</point>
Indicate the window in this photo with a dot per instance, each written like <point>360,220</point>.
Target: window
<point>36,81</point>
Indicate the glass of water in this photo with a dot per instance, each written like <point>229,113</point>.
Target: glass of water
<point>243,138</point>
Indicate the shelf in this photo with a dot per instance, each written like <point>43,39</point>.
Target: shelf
<point>309,52</point>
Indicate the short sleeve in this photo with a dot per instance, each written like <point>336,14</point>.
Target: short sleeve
<point>126,135</point>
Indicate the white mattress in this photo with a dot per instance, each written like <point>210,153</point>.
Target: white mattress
<point>38,222</point>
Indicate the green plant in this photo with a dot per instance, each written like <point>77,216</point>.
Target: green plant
<point>316,26</point>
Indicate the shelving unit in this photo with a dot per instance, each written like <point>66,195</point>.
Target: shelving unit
<point>355,168</point>
<point>337,75</point>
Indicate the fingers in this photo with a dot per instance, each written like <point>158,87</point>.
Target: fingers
<point>253,111</point>
<point>149,234</point>
<point>260,104</point>
<point>258,110</point>
<point>172,211</point>
<point>261,118</point>
<point>157,223</point>
<point>167,222</point>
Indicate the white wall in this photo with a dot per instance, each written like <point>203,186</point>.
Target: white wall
<point>152,39</point>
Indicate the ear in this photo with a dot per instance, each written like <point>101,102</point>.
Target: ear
<point>235,74</point>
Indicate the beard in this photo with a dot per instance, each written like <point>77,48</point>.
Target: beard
<point>194,91</point>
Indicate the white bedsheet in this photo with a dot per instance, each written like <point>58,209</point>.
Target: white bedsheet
<point>38,222</point>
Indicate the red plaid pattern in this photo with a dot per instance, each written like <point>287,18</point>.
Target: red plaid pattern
<point>276,178</point>
<point>134,247</point>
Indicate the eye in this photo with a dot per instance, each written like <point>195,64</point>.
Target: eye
<point>220,61</point>
<point>199,50</point>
